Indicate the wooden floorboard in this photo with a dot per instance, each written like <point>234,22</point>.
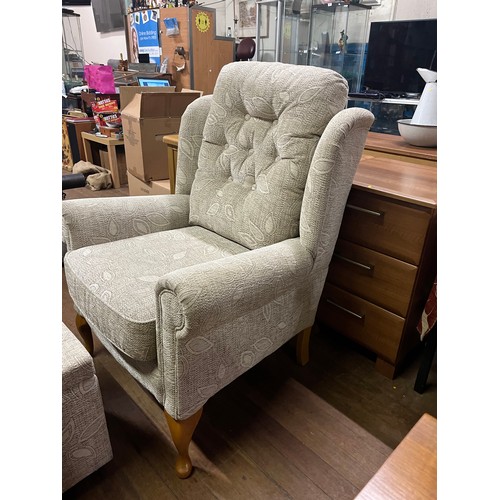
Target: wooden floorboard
<point>259,435</point>
<point>280,431</point>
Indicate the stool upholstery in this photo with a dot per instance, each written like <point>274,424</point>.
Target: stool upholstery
<point>85,439</point>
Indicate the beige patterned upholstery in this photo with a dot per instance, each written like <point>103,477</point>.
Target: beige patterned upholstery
<point>260,133</point>
<point>188,291</point>
<point>85,439</point>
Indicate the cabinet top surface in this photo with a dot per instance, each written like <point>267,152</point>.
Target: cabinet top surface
<point>395,144</point>
<point>405,181</point>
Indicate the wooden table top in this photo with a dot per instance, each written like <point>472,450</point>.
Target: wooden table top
<point>171,139</point>
<point>109,141</point>
<point>401,180</point>
<point>410,472</point>
<point>395,144</point>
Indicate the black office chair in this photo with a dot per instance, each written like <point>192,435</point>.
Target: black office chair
<point>245,50</point>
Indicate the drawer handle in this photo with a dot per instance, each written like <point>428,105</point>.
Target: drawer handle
<point>348,311</point>
<point>355,263</point>
<point>365,210</point>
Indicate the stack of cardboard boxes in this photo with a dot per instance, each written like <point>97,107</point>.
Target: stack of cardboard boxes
<point>148,114</point>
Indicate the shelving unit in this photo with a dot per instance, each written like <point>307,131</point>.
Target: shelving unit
<point>387,112</point>
<point>72,46</point>
<point>330,35</point>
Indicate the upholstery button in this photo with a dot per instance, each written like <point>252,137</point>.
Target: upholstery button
<point>277,158</point>
<point>254,187</point>
<point>250,151</point>
<point>247,117</point>
<point>230,178</point>
<point>275,122</point>
<point>226,146</point>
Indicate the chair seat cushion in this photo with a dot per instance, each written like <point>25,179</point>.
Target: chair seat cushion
<point>113,284</point>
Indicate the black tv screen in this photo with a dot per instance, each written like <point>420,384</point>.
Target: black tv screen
<point>109,15</point>
<point>395,50</point>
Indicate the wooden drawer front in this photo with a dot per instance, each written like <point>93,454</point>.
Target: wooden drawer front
<point>385,225</point>
<point>365,323</point>
<point>374,276</point>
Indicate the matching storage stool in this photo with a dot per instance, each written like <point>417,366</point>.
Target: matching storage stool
<point>85,438</point>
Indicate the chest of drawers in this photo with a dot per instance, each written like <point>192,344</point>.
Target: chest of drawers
<point>384,262</point>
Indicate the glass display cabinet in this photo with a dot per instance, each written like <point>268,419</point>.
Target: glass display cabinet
<point>337,39</point>
<point>331,35</point>
<point>72,47</point>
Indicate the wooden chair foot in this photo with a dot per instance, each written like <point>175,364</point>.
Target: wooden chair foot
<point>85,332</point>
<point>302,346</point>
<point>182,433</point>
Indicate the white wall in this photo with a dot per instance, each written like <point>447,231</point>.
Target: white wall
<point>99,47</point>
<point>415,9</point>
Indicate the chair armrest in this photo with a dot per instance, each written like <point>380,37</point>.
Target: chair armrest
<point>91,221</point>
<point>211,294</point>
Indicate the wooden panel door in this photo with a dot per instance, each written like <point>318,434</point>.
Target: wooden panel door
<point>209,53</point>
<point>170,43</point>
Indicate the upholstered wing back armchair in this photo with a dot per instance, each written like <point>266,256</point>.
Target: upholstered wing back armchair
<point>188,291</point>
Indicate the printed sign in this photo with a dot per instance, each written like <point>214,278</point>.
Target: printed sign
<point>144,36</point>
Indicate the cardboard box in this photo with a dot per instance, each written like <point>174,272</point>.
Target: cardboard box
<point>89,97</point>
<point>128,92</point>
<point>145,120</point>
<point>137,187</point>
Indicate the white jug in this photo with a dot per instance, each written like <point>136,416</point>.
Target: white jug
<point>426,112</point>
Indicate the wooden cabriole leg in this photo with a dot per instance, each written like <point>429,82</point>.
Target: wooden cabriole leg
<point>182,432</point>
<point>85,332</point>
<point>302,346</point>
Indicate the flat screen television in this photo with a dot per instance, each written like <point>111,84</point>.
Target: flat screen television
<point>395,50</point>
<point>109,15</point>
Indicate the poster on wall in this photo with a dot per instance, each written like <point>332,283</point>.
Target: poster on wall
<point>144,38</point>
<point>247,18</point>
